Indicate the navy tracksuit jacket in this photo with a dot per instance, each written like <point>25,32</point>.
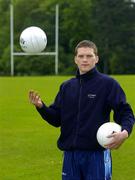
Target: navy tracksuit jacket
<point>83,104</point>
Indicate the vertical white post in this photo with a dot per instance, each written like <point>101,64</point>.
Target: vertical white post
<point>11,40</point>
<point>56,38</point>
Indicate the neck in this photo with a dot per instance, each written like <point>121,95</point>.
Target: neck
<point>81,72</point>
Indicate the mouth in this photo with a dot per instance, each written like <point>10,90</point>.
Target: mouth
<point>85,65</point>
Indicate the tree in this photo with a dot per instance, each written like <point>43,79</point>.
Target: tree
<point>110,24</point>
<point>4,35</point>
<point>113,29</point>
<point>74,26</point>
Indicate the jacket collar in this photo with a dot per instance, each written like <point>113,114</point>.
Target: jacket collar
<point>87,75</point>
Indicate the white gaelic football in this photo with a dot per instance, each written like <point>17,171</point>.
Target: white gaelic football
<point>33,40</point>
<point>105,130</point>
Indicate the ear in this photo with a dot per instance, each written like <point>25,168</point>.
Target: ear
<point>97,59</point>
<point>75,59</point>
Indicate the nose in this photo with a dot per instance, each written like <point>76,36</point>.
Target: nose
<point>85,59</point>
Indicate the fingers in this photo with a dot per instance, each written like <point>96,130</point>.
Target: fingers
<point>116,142</point>
<point>33,97</point>
<point>112,135</point>
<point>112,146</point>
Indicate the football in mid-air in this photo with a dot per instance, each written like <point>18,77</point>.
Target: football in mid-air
<point>105,130</point>
<point>33,40</point>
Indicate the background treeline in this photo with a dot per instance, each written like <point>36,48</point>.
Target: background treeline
<point>109,23</point>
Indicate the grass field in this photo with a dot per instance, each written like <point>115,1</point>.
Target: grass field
<point>28,144</point>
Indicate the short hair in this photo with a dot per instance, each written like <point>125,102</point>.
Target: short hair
<point>86,43</point>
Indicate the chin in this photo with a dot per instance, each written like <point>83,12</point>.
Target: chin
<point>86,70</point>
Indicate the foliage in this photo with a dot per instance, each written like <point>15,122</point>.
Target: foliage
<point>110,24</point>
<point>114,31</point>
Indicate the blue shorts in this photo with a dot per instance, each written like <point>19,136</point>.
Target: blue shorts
<point>87,165</point>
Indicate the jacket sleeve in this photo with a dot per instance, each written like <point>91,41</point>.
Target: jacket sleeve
<point>52,113</point>
<point>123,113</point>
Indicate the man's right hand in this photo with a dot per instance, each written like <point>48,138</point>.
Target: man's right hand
<point>35,99</point>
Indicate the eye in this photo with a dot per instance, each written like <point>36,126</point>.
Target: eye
<point>80,56</point>
<point>89,56</point>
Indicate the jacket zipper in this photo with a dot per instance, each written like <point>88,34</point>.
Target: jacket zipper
<point>78,114</point>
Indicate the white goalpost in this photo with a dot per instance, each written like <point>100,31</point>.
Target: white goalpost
<point>12,53</point>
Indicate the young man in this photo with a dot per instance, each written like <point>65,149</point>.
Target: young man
<point>81,106</point>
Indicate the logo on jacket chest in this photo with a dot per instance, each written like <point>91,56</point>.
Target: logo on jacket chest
<point>91,95</point>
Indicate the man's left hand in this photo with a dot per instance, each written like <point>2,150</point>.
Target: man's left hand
<point>117,139</point>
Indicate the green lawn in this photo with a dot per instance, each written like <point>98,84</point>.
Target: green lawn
<point>28,149</point>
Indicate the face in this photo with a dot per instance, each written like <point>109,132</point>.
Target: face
<point>85,59</point>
